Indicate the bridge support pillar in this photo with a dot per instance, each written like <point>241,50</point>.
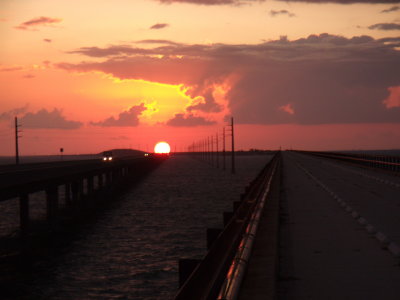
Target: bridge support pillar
<point>24,213</point>
<point>52,201</point>
<point>100,181</point>
<point>109,177</point>
<point>68,193</point>
<point>76,188</point>
<point>90,185</point>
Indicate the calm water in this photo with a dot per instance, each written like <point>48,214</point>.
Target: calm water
<point>132,250</point>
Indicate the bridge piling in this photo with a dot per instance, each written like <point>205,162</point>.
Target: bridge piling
<point>24,213</point>
<point>67,194</point>
<point>90,184</point>
<point>51,202</point>
<point>76,192</point>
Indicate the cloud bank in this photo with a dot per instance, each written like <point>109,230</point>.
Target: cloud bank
<point>385,26</point>
<point>48,119</point>
<point>128,118</point>
<point>181,120</point>
<point>8,115</point>
<point>392,9</point>
<point>328,79</point>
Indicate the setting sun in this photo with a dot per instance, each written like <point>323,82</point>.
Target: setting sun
<point>162,148</point>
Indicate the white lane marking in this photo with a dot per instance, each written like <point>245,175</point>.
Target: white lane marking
<point>392,247</point>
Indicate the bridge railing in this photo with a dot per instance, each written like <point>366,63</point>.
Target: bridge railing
<point>386,162</point>
<point>217,270</point>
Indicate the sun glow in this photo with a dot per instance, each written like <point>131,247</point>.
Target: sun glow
<point>162,148</point>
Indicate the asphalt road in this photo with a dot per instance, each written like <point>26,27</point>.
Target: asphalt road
<point>338,236</point>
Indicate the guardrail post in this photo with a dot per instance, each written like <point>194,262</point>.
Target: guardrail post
<point>236,205</point>
<point>186,267</point>
<point>227,217</point>
<point>212,235</point>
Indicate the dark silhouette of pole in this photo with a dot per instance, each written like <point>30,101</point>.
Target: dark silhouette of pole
<point>216,153</point>
<point>208,149</point>
<point>233,147</point>
<point>212,150</point>
<point>17,131</point>
<point>223,148</point>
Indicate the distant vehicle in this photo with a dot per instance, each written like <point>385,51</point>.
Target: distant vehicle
<point>107,156</point>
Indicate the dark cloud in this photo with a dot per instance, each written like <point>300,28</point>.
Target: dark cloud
<point>47,40</point>
<point>10,69</point>
<point>129,118</point>
<point>28,76</point>
<point>48,119</point>
<point>110,51</point>
<point>206,102</point>
<point>210,2</point>
<point>393,8</point>
<point>8,115</point>
<point>274,13</point>
<point>159,42</point>
<point>159,26</point>
<point>385,26</point>
<point>344,1</point>
<point>33,23</point>
<point>326,78</point>
<point>180,120</point>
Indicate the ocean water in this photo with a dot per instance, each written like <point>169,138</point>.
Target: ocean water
<point>131,250</point>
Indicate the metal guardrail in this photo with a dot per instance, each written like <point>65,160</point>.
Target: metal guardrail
<point>215,271</point>
<point>391,163</point>
<point>231,287</point>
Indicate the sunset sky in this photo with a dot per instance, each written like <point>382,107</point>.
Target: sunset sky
<point>94,75</point>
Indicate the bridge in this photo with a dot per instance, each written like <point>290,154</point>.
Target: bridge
<point>82,183</point>
<point>313,225</point>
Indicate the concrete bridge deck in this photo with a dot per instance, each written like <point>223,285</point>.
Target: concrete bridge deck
<point>338,234</point>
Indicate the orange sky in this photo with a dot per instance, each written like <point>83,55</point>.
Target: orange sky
<point>104,74</point>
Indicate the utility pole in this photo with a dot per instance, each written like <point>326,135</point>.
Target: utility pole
<point>208,149</point>
<point>17,131</point>
<point>212,150</point>
<point>223,148</point>
<point>233,147</point>
<point>216,153</point>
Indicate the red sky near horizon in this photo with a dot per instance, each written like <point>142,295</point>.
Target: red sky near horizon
<point>126,74</point>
